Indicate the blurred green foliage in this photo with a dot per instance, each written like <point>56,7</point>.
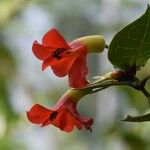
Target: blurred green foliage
<point>9,8</point>
<point>8,69</point>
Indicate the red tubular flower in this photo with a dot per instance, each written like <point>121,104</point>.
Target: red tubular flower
<point>63,115</point>
<point>64,58</point>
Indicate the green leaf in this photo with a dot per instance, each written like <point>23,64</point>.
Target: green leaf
<point>130,47</point>
<point>142,118</point>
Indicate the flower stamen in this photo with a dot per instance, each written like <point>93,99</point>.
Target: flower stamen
<point>53,116</point>
<point>57,52</point>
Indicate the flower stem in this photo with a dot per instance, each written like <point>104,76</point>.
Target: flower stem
<point>106,46</point>
<point>143,82</point>
<point>109,83</point>
<point>145,92</point>
<point>104,83</point>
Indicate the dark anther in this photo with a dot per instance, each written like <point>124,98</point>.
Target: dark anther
<point>57,52</point>
<point>68,52</point>
<point>53,116</point>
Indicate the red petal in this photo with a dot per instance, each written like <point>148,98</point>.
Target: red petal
<point>62,67</point>
<point>78,72</point>
<point>70,121</point>
<point>65,121</point>
<point>38,114</point>
<point>57,122</point>
<point>88,124</point>
<point>78,125</point>
<point>47,62</point>
<point>62,120</point>
<point>54,39</point>
<point>40,51</point>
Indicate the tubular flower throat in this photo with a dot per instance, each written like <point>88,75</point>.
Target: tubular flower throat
<point>64,58</point>
<point>63,115</point>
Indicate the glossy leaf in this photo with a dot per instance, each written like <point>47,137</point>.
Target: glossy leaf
<point>130,47</point>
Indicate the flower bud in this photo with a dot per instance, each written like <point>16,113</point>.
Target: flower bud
<point>94,43</point>
<point>117,74</point>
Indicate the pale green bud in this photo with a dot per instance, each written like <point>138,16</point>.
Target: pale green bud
<point>94,43</point>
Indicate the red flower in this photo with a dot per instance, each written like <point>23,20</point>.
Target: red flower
<point>64,58</point>
<point>63,115</point>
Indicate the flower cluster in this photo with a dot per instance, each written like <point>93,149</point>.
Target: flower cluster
<point>65,58</point>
